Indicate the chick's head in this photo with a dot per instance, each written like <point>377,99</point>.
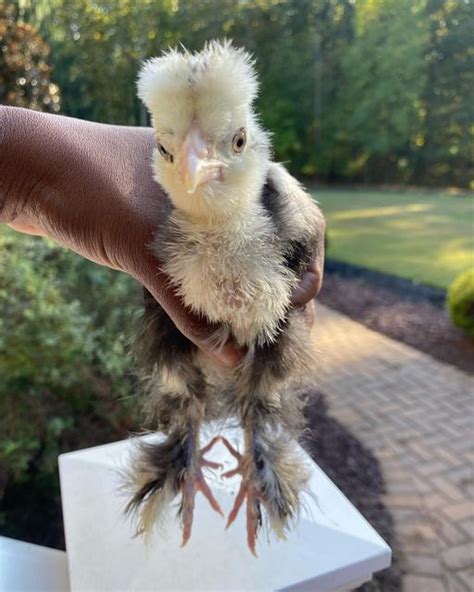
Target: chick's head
<point>212,155</point>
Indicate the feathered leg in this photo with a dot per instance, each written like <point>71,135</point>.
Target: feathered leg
<point>193,481</point>
<point>164,469</point>
<point>273,473</point>
<point>248,491</point>
<point>176,406</point>
<point>272,476</point>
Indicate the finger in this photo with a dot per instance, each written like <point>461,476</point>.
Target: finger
<point>307,289</point>
<point>27,228</point>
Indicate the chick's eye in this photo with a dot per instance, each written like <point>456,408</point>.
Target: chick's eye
<point>164,153</point>
<point>239,140</point>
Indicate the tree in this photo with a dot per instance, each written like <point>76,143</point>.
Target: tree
<point>298,45</point>
<point>374,90</point>
<point>447,154</point>
<point>384,74</point>
<point>25,73</point>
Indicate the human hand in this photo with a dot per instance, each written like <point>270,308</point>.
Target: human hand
<point>89,187</point>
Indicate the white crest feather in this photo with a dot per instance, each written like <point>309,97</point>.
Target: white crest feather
<point>220,74</point>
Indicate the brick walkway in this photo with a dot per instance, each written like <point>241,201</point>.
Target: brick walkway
<point>416,415</point>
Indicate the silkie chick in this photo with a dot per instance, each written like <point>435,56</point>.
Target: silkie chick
<point>239,234</point>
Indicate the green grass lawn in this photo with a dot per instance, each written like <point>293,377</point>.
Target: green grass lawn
<point>421,236</point>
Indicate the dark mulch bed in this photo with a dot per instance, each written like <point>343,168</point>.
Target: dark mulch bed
<point>410,312</point>
<point>358,474</point>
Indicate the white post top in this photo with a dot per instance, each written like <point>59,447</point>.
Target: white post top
<point>25,567</point>
<point>332,547</point>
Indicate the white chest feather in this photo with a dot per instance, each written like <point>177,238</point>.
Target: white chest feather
<point>234,273</point>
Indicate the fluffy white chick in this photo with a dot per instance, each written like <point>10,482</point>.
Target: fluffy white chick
<point>206,130</point>
<point>239,234</point>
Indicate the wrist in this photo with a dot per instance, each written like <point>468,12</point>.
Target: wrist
<point>6,202</point>
<point>18,179</point>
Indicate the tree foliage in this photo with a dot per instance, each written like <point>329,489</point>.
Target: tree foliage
<point>358,90</point>
<point>448,96</point>
<point>25,73</point>
<point>64,368</point>
<point>384,68</point>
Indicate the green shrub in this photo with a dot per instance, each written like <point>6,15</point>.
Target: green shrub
<point>64,366</point>
<point>461,302</point>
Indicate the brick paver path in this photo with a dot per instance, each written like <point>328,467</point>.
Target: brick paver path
<point>416,415</point>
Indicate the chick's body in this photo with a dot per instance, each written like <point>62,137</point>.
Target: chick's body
<point>232,272</point>
<point>239,233</point>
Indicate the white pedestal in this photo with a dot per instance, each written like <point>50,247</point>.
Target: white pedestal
<point>30,568</point>
<point>332,548</point>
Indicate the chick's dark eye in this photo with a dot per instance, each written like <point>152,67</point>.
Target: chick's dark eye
<point>164,153</point>
<point>239,140</point>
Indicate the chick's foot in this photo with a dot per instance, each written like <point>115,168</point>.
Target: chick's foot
<point>194,481</point>
<point>249,491</point>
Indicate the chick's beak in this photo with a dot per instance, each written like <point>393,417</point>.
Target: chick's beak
<point>195,165</point>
